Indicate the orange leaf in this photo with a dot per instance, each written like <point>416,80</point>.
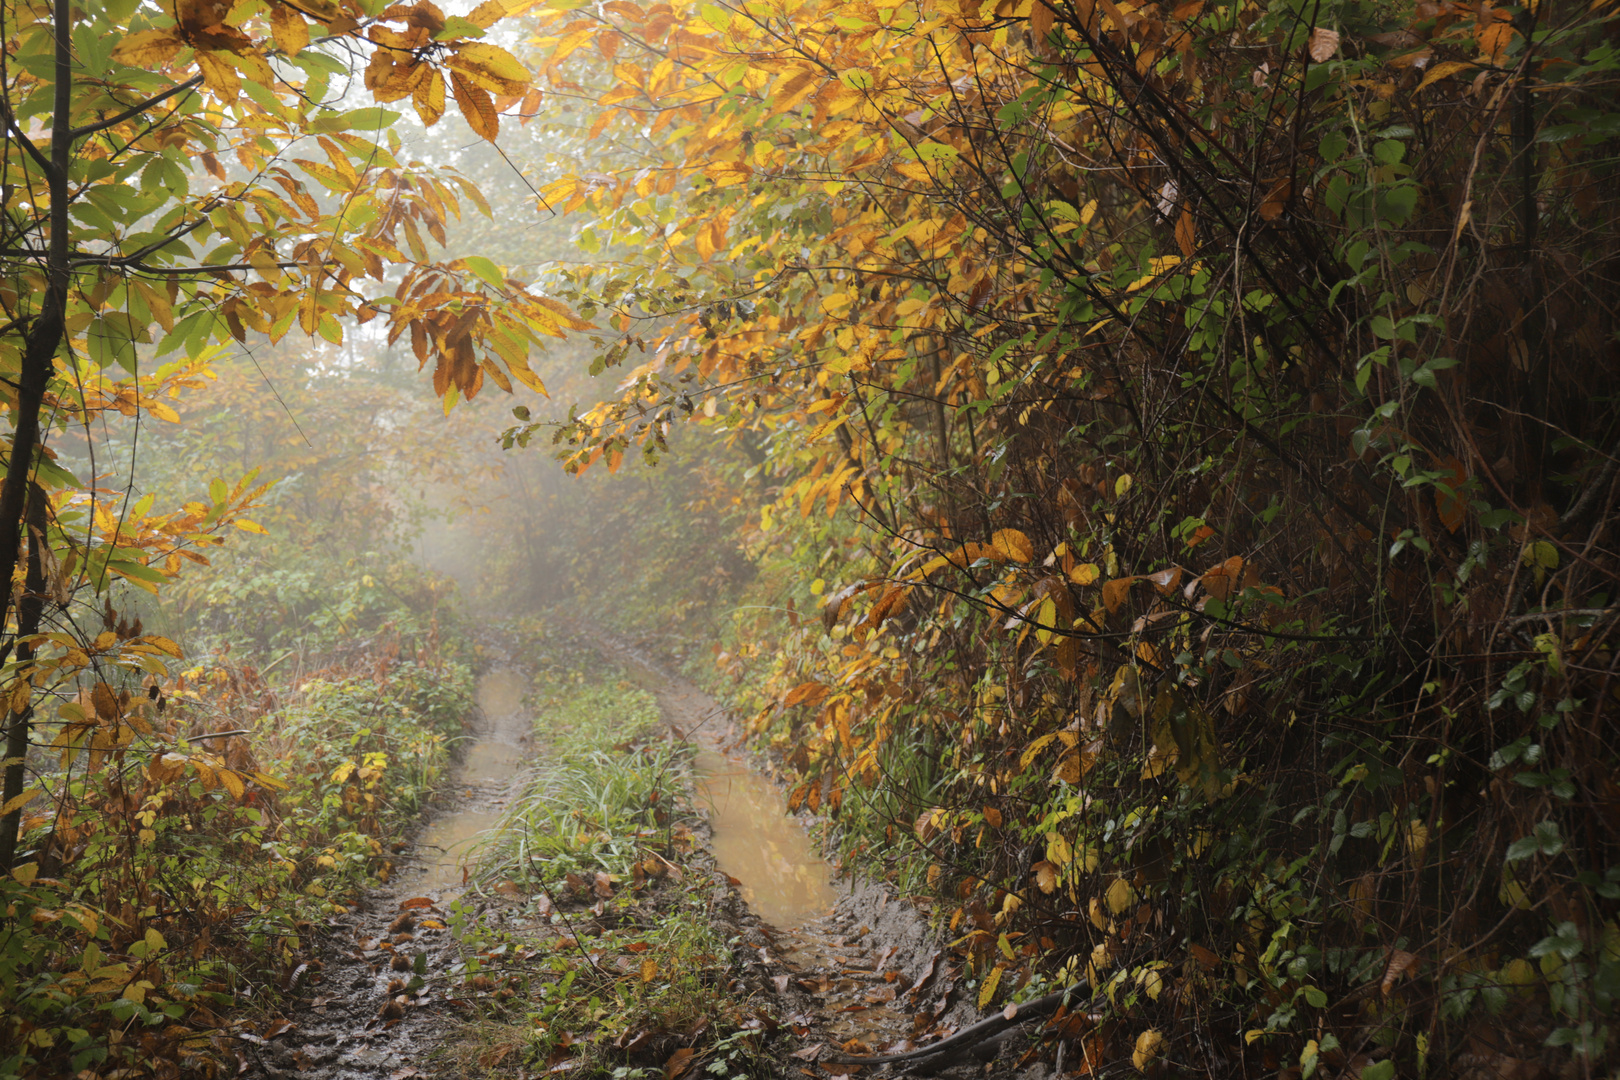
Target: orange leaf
<point>1186,234</point>
<point>1221,581</point>
<point>810,693</point>
<point>1276,200</point>
<point>1400,962</point>
<point>678,1063</point>
<point>1453,509</point>
<point>1166,580</point>
<point>476,106</point>
<point>1114,592</point>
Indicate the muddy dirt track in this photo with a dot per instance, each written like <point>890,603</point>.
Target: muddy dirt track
<point>845,966</point>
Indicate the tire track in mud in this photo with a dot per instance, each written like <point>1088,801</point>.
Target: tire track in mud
<point>845,966</point>
<point>379,998</point>
<point>857,970</point>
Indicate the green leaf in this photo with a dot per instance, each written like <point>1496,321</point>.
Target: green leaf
<point>717,17</point>
<point>457,27</point>
<point>486,271</point>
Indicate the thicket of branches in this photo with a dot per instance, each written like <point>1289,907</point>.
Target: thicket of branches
<point>1222,401</point>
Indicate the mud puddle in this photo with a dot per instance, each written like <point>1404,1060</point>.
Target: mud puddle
<point>487,781</point>
<point>376,1002</point>
<point>860,973</point>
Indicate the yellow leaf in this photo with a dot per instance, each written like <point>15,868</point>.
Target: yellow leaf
<point>727,173</point>
<point>288,28</point>
<point>1120,896</point>
<point>649,970</point>
<point>1035,748</point>
<point>428,97</point>
<point>1084,574</point>
<point>1152,984</point>
<point>1046,876</point>
<point>220,76</point>
<point>1149,1045</point>
<point>987,992</point>
<point>487,14</point>
<point>251,527</point>
<point>148,48</point>
<point>488,66</point>
<point>233,783</point>
<point>1444,69</point>
<point>165,645</point>
<point>1013,545</point>
<point>16,804</point>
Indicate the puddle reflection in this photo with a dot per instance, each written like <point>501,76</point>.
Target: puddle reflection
<point>783,879</point>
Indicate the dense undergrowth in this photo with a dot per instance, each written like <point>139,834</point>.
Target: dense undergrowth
<point>174,883</point>
<point>606,958</point>
<point>1190,432</point>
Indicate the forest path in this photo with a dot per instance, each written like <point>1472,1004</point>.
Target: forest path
<point>845,966</point>
<point>379,995</point>
<point>861,971</point>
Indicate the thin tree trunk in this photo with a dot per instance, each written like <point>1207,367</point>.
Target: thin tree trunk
<point>38,364</point>
<point>30,609</point>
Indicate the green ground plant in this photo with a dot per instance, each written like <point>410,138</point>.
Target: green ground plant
<point>183,868</point>
<point>612,959</point>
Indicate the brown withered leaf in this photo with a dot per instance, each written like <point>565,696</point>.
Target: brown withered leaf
<point>678,1063</point>
<point>1323,44</point>
<point>1400,962</point>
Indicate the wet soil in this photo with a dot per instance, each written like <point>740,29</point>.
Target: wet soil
<point>846,966</point>
<point>379,998</point>
<point>858,970</point>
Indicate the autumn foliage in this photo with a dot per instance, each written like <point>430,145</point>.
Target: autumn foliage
<point>1198,425</point>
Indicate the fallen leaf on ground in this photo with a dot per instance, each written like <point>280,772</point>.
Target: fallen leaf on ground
<point>678,1063</point>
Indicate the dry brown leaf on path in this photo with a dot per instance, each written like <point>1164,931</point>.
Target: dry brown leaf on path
<point>678,1063</point>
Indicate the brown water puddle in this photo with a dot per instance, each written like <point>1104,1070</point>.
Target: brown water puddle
<point>444,846</point>
<point>754,840</point>
<point>486,774</point>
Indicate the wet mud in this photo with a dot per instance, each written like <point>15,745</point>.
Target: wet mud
<point>379,998</point>
<point>849,968</point>
<point>856,970</point>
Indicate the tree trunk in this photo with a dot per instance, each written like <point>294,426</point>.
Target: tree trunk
<point>44,339</point>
